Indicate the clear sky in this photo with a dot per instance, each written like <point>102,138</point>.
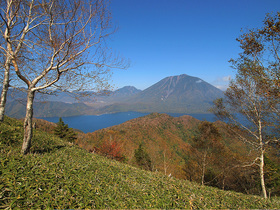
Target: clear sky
<point>171,37</point>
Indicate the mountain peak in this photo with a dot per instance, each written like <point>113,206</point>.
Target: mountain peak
<point>182,76</point>
<point>182,83</point>
<point>126,91</point>
<point>128,87</point>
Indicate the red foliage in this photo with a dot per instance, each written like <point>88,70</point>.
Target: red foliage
<point>111,149</point>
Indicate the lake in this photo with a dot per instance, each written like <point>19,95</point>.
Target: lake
<point>91,123</point>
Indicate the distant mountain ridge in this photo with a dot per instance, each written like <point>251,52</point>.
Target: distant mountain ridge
<point>174,94</point>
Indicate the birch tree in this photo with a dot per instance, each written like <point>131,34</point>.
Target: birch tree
<point>244,108</point>
<point>64,48</point>
<point>251,102</point>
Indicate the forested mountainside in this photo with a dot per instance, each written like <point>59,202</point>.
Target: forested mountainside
<point>185,148</point>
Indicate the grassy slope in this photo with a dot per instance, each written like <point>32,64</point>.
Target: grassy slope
<point>59,175</point>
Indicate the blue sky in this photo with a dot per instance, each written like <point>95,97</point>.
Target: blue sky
<point>171,37</point>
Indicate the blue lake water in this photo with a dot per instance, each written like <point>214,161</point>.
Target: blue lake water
<point>91,123</point>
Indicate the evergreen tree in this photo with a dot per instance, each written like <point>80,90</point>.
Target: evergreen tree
<point>142,158</point>
<point>63,131</point>
<point>60,128</point>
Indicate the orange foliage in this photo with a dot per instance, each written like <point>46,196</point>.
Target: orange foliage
<point>112,149</point>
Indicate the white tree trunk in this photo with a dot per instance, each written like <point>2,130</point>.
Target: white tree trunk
<point>203,168</point>
<point>5,87</point>
<point>262,160</point>
<point>4,95</point>
<point>28,123</point>
<point>164,163</point>
<point>262,174</point>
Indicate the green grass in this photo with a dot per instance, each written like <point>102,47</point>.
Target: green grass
<point>60,175</point>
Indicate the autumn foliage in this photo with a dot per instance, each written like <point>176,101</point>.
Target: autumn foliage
<point>112,149</point>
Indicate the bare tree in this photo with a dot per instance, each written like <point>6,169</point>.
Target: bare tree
<point>64,48</point>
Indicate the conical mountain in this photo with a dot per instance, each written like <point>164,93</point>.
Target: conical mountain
<point>175,94</point>
<point>180,89</point>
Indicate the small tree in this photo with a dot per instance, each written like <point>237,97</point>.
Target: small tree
<point>142,158</point>
<point>207,143</point>
<point>63,131</point>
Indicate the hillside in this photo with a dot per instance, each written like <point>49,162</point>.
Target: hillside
<point>177,147</point>
<point>160,133</point>
<point>59,175</point>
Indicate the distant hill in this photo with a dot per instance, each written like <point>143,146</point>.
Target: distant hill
<point>126,91</point>
<point>105,96</point>
<point>48,109</point>
<point>116,96</point>
<point>175,94</point>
